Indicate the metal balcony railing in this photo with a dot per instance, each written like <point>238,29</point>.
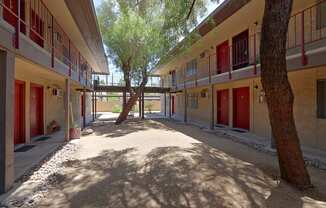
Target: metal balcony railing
<point>36,22</point>
<point>305,27</point>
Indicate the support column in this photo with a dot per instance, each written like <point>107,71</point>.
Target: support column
<point>95,104</point>
<point>7,86</point>
<point>84,108</point>
<point>143,105</point>
<point>170,107</point>
<point>67,109</point>
<point>27,112</point>
<point>165,104</point>
<point>186,106</point>
<point>212,107</point>
<point>139,105</point>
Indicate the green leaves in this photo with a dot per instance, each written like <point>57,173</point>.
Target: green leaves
<point>139,33</point>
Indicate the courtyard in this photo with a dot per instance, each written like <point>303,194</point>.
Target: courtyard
<point>161,163</point>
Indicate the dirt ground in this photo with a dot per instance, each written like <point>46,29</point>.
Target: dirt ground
<point>163,164</point>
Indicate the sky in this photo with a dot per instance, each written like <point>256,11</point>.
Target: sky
<point>210,8</point>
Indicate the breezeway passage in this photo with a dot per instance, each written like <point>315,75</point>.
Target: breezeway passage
<point>156,163</point>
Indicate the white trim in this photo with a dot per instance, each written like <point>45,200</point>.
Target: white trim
<point>242,69</point>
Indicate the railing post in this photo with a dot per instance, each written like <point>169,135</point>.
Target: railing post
<point>52,44</point>
<point>79,67</point>
<point>209,70</point>
<point>255,55</point>
<point>69,51</point>
<point>230,62</point>
<point>303,52</point>
<point>17,26</point>
<point>86,73</point>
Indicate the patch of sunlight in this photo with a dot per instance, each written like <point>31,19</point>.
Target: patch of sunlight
<point>312,203</point>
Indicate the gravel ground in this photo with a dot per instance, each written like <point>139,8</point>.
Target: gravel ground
<point>37,182</point>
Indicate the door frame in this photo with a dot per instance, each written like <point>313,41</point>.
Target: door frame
<point>23,109</point>
<point>217,106</point>
<point>42,111</point>
<point>173,104</point>
<point>218,47</point>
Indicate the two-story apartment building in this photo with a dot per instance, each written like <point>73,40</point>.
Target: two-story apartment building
<point>48,51</point>
<point>216,82</point>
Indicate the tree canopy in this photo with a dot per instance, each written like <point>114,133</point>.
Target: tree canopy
<point>139,33</point>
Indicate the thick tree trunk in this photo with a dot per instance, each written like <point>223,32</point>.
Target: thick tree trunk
<point>279,93</point>
<point>128,107</point>
<point>133,96</point>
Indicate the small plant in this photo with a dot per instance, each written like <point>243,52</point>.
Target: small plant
<point>149,107</point>
<point>116,109</point>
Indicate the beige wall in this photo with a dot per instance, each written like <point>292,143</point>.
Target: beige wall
<point>311,130</point>
<point>227,30</point>
<point>53,105</point>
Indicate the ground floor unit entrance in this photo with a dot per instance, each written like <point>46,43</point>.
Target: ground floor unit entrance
<point>241,105</point>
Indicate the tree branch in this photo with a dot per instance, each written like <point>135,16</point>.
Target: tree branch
<point>191,8</point>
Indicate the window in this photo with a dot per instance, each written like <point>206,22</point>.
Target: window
<point>191,68</point>
<point>173,78</point>
<point>321,99</point>
<point>321,15</point>
<point>193,100</point>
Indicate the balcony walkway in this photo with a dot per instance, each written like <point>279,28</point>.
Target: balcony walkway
<point>157,163</point>
<point>113,88</point>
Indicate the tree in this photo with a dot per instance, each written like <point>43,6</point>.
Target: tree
<point>279,93</point>
<point>139,33</point>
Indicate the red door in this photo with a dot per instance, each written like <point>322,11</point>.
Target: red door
<point>11,11</point>
<point>19,129</point>
<point>173,104</point>
<point>241,108</point>
<point>36,110</point>
<point>223,60</point>
<point>223,107</point>
<point>82,104</point>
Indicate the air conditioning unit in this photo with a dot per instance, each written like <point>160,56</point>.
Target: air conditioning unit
<point>57,92</point>
<point>204,93</point>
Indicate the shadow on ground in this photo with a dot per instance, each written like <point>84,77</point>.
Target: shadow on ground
<point>109,129</point>
<point>202,175</point>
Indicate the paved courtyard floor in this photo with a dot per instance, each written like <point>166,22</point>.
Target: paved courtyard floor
<point>157,163</point>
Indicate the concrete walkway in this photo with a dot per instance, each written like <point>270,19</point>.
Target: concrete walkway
<point>156,163</point>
